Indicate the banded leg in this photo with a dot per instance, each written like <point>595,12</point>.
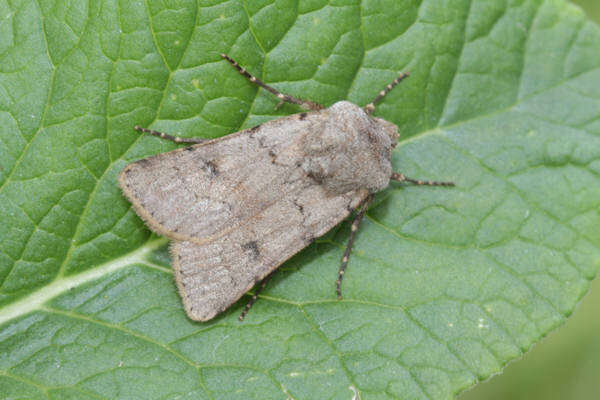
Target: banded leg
<point>401,178</point>
<point>309,105</point>
<point>353,229</point>
<point>175,139</point>
<point>369,108</point>
<point>255,295</point>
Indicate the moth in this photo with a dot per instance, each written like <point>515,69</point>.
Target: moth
<point>237,207</point>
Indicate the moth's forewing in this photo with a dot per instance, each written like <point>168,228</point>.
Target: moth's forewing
<point>203,191</point>
<point>213,275</point>
<point>236,207</point>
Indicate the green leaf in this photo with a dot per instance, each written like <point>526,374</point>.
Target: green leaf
<point>445,285</point>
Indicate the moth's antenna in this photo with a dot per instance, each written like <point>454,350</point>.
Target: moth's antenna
<point>309,105</point>
<point>369,108</point>
<point>398,177</point>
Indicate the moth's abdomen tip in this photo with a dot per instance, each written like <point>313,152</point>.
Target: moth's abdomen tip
<point>197,315</point>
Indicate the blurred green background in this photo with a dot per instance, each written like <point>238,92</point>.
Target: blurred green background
<point>591,7</point>
<point>566,364</point>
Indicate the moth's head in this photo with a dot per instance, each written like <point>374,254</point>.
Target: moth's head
<point>350,149</point>
<point>389,128</point>
<point>352,118</point>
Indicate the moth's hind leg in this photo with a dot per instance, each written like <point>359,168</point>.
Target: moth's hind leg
<point>401,178</point>
<point>353,229</point>
<point>309,105</point>
<point>262,285</point>
<point>165,136</point>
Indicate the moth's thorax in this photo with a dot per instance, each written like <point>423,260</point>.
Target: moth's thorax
<point>350,150</point>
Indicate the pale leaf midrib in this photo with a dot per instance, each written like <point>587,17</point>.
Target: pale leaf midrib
<point>34,300</point>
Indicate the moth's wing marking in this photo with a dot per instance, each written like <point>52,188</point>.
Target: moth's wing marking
<point>203,191</point>
<point>212,276</point>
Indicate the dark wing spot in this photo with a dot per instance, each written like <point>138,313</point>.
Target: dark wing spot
<point>318,178</point>
<point>255,128</point>
<point>273,156</point>
<point>299,206</point>
<point>252,248</point>
<point>190,148</point>
<point>302,115</point>
<point>211,168</point>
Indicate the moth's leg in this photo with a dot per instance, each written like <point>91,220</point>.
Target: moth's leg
<point>175,139</point>
<point>369,108</point>
<point>262,285</point>
<point>353,229</point>
<point>401,178</point>
<point>309,105</point>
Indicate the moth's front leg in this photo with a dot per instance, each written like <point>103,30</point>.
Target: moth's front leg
<point>309,105</point>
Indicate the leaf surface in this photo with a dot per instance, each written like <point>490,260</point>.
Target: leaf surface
<point>445,285</point>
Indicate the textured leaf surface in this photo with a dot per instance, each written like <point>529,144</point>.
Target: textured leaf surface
<point>445,286</point>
